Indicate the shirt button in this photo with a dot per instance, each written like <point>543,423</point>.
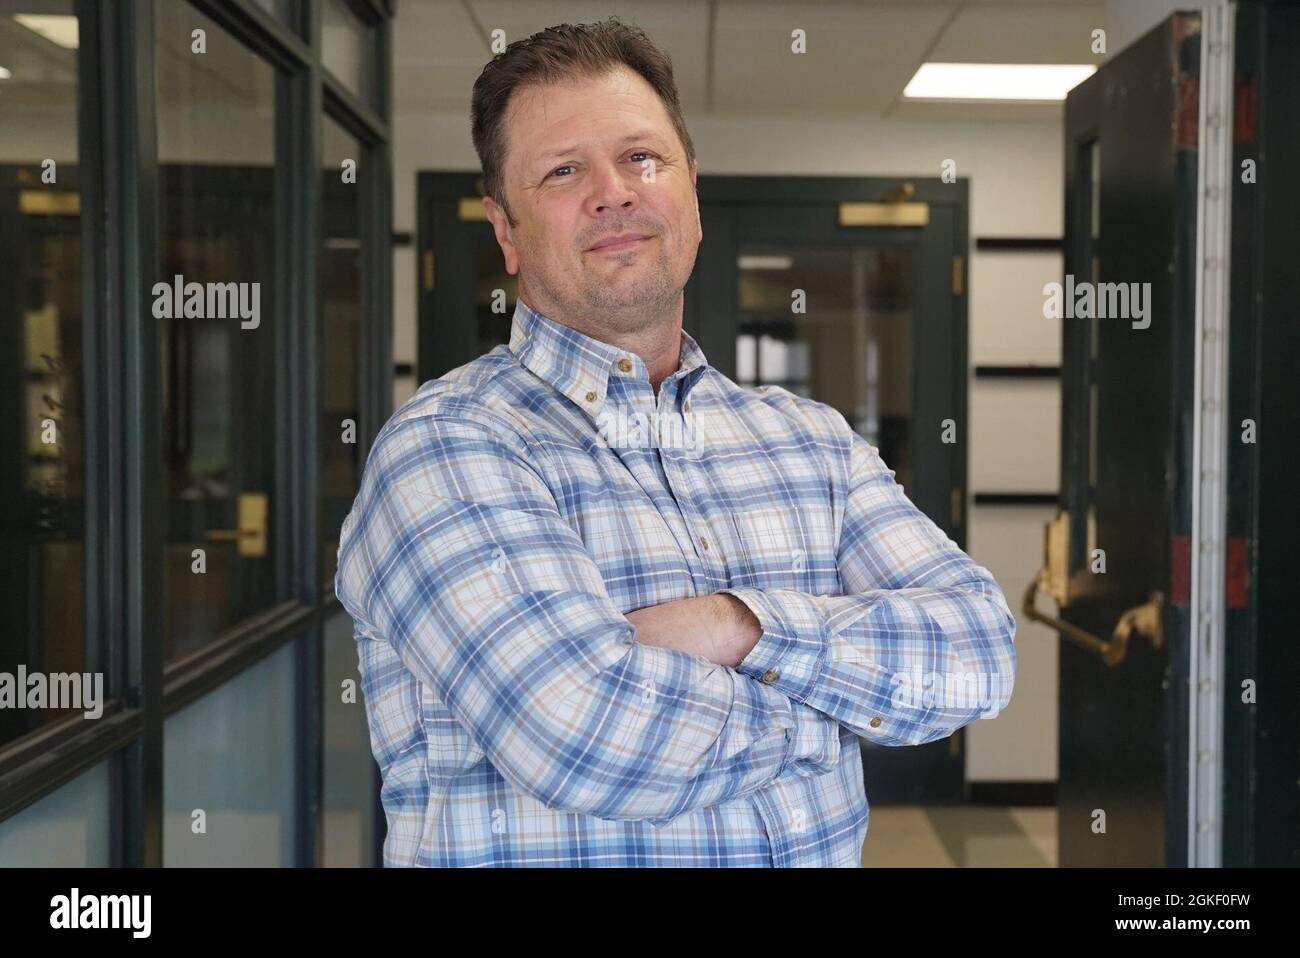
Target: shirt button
<point>625,364</point>
<point>771,676</point>
<point>591,397</point>
<point>875,722</point>
<point>704,543</point>
<point>686,406</point>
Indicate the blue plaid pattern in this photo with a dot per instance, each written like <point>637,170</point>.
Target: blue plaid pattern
<point>509,516</point>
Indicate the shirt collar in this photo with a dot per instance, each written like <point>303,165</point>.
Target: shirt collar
<point>579,366</point>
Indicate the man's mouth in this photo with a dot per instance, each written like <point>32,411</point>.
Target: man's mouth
<point>619,243</point>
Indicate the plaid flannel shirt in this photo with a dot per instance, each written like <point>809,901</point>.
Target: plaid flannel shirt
<point>513,510</point>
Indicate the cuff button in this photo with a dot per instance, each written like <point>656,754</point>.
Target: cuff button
<point>771,675</point>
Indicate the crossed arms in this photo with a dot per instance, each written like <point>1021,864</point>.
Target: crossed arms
<point>457,555</point>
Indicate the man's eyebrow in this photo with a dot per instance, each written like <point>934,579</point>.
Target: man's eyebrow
<point>646,135</point>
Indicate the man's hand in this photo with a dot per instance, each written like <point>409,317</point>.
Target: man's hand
<point>719,627</point>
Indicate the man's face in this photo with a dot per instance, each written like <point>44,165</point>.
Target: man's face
<point>586,161</point>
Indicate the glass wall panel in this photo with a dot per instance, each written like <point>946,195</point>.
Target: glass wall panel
<point>69,828</point>
<point>215,301</point>
<point>42,419</point>
<point>349,802</point>
<point>230,790</point>
<point>228,771</point>
<point>349,51</point>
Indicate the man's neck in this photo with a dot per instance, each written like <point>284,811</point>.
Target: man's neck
<point>658,342</point>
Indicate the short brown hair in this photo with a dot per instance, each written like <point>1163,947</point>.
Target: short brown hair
<point>554,55</point>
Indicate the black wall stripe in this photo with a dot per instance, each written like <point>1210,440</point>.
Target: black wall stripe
<point>1019,244</point>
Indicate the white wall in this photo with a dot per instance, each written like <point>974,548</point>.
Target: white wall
<point>1016,172</point>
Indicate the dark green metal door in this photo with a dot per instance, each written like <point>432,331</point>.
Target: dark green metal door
<point>870,319</point>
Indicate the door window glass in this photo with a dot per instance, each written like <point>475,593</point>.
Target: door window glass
<point>850,346</point>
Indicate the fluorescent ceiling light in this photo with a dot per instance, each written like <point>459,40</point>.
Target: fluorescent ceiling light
<point>57,28</point>
<point>996,81</point>
<point>764,262</point>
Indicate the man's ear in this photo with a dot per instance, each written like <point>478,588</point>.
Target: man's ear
<point>496,215</point>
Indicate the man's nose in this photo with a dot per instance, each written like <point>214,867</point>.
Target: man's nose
<point>614,187</point>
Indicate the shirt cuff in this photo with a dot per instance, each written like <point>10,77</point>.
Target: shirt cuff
<point>791,652</point>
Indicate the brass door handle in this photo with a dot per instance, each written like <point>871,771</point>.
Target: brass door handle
<point>1146,619</point>
<point>251,533</point>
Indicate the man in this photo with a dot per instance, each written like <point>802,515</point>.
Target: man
<point>589,640</point>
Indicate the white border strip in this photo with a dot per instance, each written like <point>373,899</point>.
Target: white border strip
<point>1209,440</point>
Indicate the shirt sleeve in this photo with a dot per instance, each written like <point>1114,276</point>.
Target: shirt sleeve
<point>456,554</point>
<point>920,644</point>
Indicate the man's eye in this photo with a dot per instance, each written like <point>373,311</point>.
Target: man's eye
<point>569,166</point>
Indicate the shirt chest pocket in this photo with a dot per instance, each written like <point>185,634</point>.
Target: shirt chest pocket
<point>785,548</point>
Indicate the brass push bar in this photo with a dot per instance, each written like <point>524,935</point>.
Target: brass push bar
<point>1146,619</point>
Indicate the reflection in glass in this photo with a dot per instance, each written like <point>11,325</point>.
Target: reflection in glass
<point>228,771</point>
<point>851,348</point>
<point>216,150</point>
<point>348,803</point>
<point>340,277</point>
<point>42,419</point>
